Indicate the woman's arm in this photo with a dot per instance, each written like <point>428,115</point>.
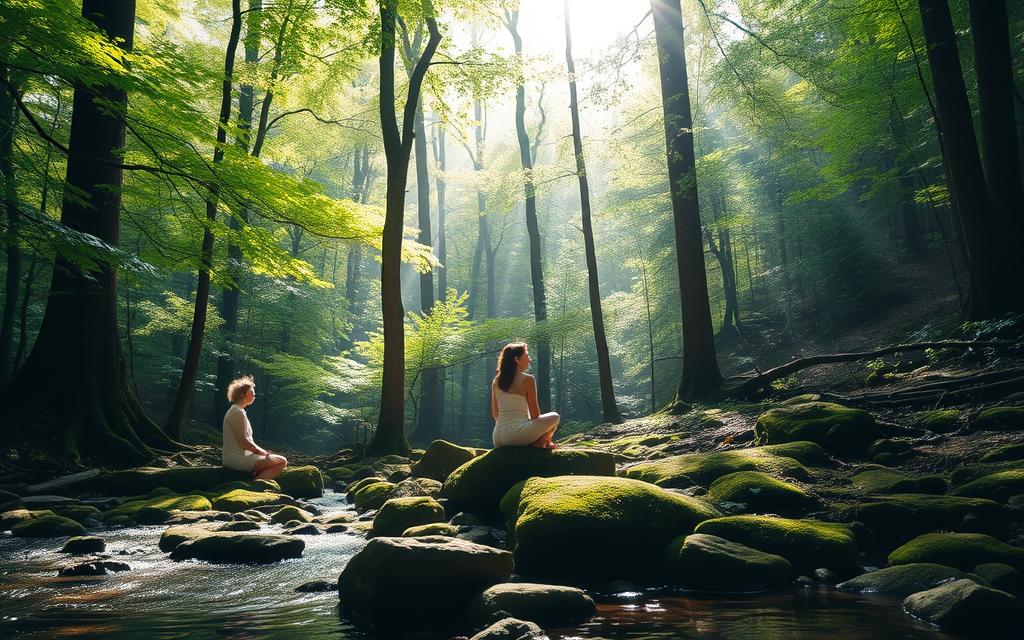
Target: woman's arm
<point>530,386</point>
<point>245,442</point>
<point>494,402</point>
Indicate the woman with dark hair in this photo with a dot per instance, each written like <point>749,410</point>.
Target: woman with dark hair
<point>518,421</point>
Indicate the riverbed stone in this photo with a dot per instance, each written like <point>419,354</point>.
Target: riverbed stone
<point>710,563</point>
<point>594,527</point>
<point>545,604</point>
<point>961,550</point>
<point>880,479</point>
<point>428,579</point>
<point>807,544</point>
<point>78,545</point>
<point>239,525</point>
<point>997,486</point>
<point>398,514</point>
<point>908,515</point>
<point>84,514</point>
<point>47,526</point>
<point>440,459</point>
<point>413,487</point>
<point>156,510</point>
<point>511,629</point>
<point>1003,453</point>
<point>94,568</point>
<point>692,469</point>
<point>999,419</point>
<point>192,517</point>
<point>291,512</point>
<point>1001,576</point>
<point>939,420</point>
<point>232,548</point>
<point>432,529</point>
<point>317,586</point>
<point>355,486</point>
<point>965,605</point>
<point>174,536</point>
<point>242,500</point>
<point>296,528</point>
<point>10,518</point>
<point>373,495</point>
<point>133,482</point>
<point>301,482</point>
<point>901,580</point>
<point>760,493</point>
<point>840,430</point>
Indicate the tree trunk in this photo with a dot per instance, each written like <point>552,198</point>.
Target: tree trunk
<point>389,437</point>
<point>700,374</point>
<point>995,284</point>
<point>190,370</point>
<point>438,138</point>
<point>8,125</point>
<point>540,310</point>
<point>609,409</point>
<point>98,414</point>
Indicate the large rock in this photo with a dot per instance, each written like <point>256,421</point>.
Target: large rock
<point>373,495</point>
<point>1001,576</point>
<point>434,529</point>
<point>693,469</point>
<point>440,459</point>
<point>961,550</point>
<point>545,604</point>
<point>142,480</point>
<point>84,544</point>
<point>412,487</point>
<point>159,509</point>
<point>999,419</point>
<point>965,605</point>
<point>709,563</point>
<point>839,430</point>
<point>908,515</point>
<point>879,479</point>
<point>240,500</point>
<point>902,580</point>
<point>239,548</point>
<point>428,580</point>
<point>760,493</point>
<point>582,527</point>
<point>939,420</point>
<point>174,536</point>
<point>398,514</point>
<point>1004,453</point>
<point>289,513</point>
<point>301,482</point>
<point>47,526</point>
<point>997,486</point>
<point>480,484</point>
<point>511,629</point>
<point>10,518</point>
<point>95,568</point>
<point>807,544</point>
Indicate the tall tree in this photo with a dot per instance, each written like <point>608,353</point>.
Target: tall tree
<point>389,436</point>
<point>190,369</point>
<point>540,308</point>
<point>98,413</point>
<point>609,409</point>
<point>8,125</point>
<point>700,374</point>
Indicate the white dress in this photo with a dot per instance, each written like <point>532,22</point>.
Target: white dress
<point>514,428</point>
<point>233,455</point>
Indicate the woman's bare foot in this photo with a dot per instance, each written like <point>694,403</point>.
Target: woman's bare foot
<point>539,444</point>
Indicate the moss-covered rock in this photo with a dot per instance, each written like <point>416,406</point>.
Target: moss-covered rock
<point>1003,453</point>
<point>1001,576</point>
<point>158,509</point>
<point>133,482</point>
<point>429,580</point>
<point>289,513</point>
<point>432,529</point>
<point>709,563</point>
<point>480,484</point>
<point>971,472</point>
<point>907,515</point>
<point>10,518</point>
<point>173,536</point>
<point>966,605</point>
<point>760,493</point>
<point>80,513</point>
<point>259,486</point>
<point>997,486</point>
<point>47,526</point>
<point>693,469</point>
<point>352,488</point>
<point>888,446</point>
<point>545,604</point>
<point>902,580</point>
<point>961,550</point>
<point>839,430</point>
<point>301,482</point>
<point>373,495</point>
<point>239,548</point>
<point>242,500</point>
<point>803,398</point>
<point>807,544</point>
<point>398,514</point>
<point>84,544</point>
<point>880,479</point>
<point>999,419</point>
<point>412,487</point>
<point>595,527</point>
<point>939,420</point>
<point>342,472</point>
<point>511,629</point>
<point>440,459</point>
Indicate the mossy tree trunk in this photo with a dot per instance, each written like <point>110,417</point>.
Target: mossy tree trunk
<point>8,125</point>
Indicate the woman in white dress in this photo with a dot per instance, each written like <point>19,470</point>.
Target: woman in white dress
<point>518,421</point>
<point>240,452</point>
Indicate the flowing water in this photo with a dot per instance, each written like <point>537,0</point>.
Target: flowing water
<point>163,599</point>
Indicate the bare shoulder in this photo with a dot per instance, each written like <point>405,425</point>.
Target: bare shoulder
<point>528,380</point>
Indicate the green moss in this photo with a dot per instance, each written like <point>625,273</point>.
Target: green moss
<point>939,420</point>
<point>301,482</point>
<point>142,480</point>
<point>47,526</point>
<point>1006,452</point>
<point>839,430</point>
<point>706,562</point>
<point>359,484</point>
<point>440,459</point>
<point>158,509</point>
<point>259,486</point>
<point>999,419</point>
<point>340,473</point>
<point>760,492</point>
<point>432,529</point>
<point>290,512</point>
<point>970,472</point>
<point>373,495</point>
<point>1001,576</point>
<point>241,500</point>
<point>803,398</point>
<point>886,445</point>
<point>997,486</point>
<point>398,514</point>
<point>879,479</point>
<point>808,544</point>
<point>961,550</point>
<point>905,515</point>
<point>596,527</point>
<point>704,468</point>
<point>902,580</point>
<point>480,484</point>
<point>78,512</point>
<point>10,518</point>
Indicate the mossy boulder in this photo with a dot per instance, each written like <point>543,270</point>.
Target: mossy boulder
<point>889,447</point>
<point>241,500</point>
<point>999,419</point>
<point>760,493</point>
<point>352,488</point>
<point>173,536</point>
<point>440,459</point>
<point>10,518</point>
<point>412,487</point>
<point>709,563</point>
<point>301,482</point>
<point>595,527</point>
<point>81,513</point>
<point>343,473</point>
<point>260,486</point>
<point>289,513</point>
<point>1001,576</point>
<point>803,398</point>
<point>427,580</point>
<point>971,472</point>
<point>239,548</point>
<point>480,484</point>
<point>906,515</point>
<point>807,544</point>
<point>997,486</point>
<point>966,605</point>
<point>511,629</point>
<point>47,526</point>
<point>84,544</point>
<point>961,550</point>
<point>398,514</point>
<point>902,580</point>
<point>881,479</point>
<point>158,509</point>
<point>545,604</point>
<point>142,480</point>
<point>432,529</point>
<point>373,495</point>
<point>693,469</point>
<point>939,420</point>
<point>840,430</point>
<point>1005,452</point>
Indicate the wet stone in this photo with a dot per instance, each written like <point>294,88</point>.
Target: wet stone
<point>96,568</point>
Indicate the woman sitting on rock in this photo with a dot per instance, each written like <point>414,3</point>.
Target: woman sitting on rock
<point>518,421</point>
<point>240,452</point>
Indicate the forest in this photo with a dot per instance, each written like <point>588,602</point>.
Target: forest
<point>765,256</point>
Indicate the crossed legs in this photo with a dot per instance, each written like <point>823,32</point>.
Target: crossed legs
<point>269,467</point>
<point>550,423</point>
